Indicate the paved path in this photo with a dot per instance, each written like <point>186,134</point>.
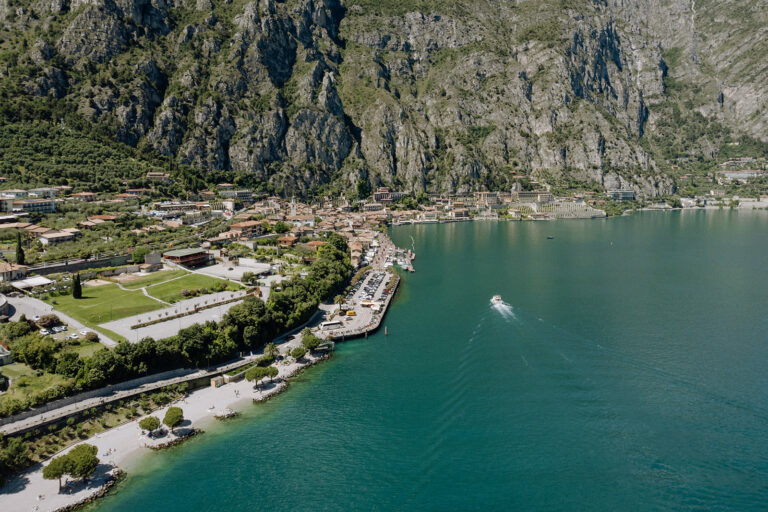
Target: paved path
<point>144,290</point>
<point>286,342</point>
<point>171,327</point>
<point>32,307</point>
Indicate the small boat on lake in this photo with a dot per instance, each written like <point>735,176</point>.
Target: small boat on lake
<point>496,300</point>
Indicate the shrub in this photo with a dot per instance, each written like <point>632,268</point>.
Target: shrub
<point>92,336</point>
<point>309,340</point>
<point>298,353</point>
<point>265,361</point>
<point>48,321</point>
<point>150,423</point>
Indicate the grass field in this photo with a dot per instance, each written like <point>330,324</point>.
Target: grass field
<point>101,304</point>
<point>86,348</point>
<point>171,292</point>
<point>24,380</point>
<point>154,278</point>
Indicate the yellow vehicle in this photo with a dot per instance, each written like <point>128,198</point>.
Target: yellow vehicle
<point>351,313</point>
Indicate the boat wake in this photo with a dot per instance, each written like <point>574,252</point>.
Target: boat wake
<point>505,310</point>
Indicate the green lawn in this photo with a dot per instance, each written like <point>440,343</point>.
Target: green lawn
<point>155,278</point>
<point>24,380</point>
<point>101,304</point>
<point>171,292</point>
<point>86,348</point>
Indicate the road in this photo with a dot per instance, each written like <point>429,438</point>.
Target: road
<point>285,342</point>
<point>34,307</point>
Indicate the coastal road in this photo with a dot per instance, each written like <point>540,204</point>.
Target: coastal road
<point>286,344</point>
<point>83,405</point>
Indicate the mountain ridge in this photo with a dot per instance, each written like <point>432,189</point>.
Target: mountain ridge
<point>434,96</point>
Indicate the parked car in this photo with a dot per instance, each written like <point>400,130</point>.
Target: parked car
<point>45,332</point>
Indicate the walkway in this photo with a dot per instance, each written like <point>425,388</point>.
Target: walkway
<point>171,327</point>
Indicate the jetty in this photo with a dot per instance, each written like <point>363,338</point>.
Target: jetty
<point>373,325</point>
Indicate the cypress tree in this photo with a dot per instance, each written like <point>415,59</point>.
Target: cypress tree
<point>19,249</point>
<point>77,290</point>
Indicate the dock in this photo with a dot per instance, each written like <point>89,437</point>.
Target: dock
<point>374,325</point>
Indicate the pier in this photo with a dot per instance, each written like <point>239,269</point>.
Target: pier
<point>373,325</point>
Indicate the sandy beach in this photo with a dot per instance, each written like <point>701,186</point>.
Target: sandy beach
<point>30,492</point>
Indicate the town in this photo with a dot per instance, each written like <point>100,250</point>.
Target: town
<point>228,287</point>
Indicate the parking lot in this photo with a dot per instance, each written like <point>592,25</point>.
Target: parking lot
<point>363,301</point>
<point>234,271</point>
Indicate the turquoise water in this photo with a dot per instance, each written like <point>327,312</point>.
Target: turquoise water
<point>629,373</point>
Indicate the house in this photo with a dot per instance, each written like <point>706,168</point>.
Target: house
<point>316,244</point>
<point>386,196</point>
<point>32,283</point>
<point>56,237</point>
<point>459,213</point>
<point>87,224</point>
<point>287,241</point>
<point>535,196</point>
<point>14,192</point>
<point>373,207</point>
<point>12,271</point>
<point>621,195</point>
<point>189,257</point>
<point>126,196</point>
<point>84,196</point>
<point>155,175</point>
<point>35,205</point>
<point>48,192</point>
<point>244,196</point>
<point>302,220</point>
<point>246,229</point>
<point>136,192</point>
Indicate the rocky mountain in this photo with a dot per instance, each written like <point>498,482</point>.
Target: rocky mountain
<point>422,95</point>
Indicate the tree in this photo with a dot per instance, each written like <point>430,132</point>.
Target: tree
<point>298,353</point>
<point>19,249</point>
<point>139,253</point>
<point>338,241</point>
<point>281,227</point>
<point>48,321</point>
<point>309,340</point>
<point>173,417</point>
<point>271,372</point>
<point>339,300</point>
<point>82,461</point>
<point>91,336</point>
<point>58,467</point>
<point>271,350</point>
<point>77,289</point>
<point>363,189</point>
<point>255,374</point>
<point>150,423</point>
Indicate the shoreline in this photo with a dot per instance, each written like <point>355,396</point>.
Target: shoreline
<point>124,446</point>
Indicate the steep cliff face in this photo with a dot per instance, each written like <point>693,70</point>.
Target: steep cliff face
<point>433,96</point>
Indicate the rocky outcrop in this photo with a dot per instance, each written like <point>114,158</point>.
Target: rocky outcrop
<point>456,98</point>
